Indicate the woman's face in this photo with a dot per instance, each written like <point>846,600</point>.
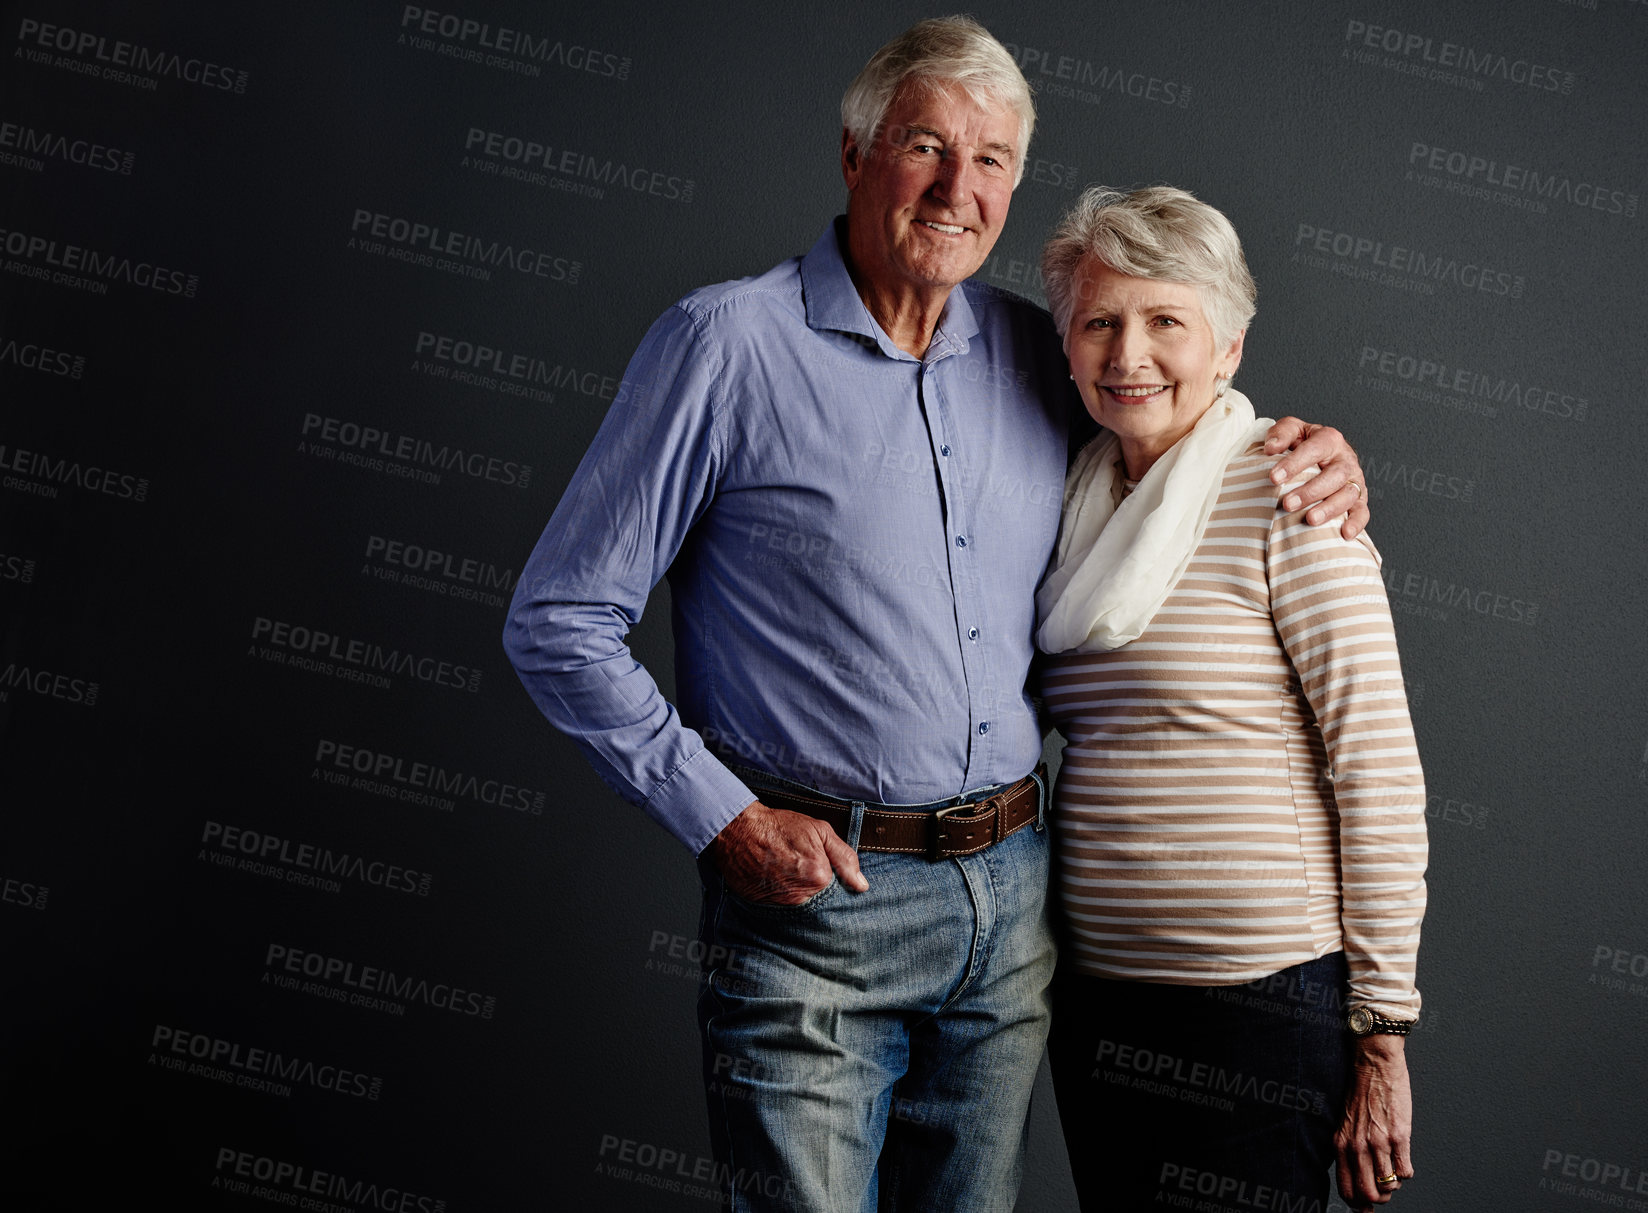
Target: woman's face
<point>1142,353</point>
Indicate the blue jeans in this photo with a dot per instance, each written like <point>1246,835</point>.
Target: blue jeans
<point>1207,1097</point>
<point>877,1050</point>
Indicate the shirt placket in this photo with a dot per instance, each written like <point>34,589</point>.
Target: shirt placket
<point>951,457</point>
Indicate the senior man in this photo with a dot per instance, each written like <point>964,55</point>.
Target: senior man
<point>850,468</point>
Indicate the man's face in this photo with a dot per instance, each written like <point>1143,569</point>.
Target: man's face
<point>924,211</point>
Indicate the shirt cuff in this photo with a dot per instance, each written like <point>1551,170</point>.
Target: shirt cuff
<point>698,799</point>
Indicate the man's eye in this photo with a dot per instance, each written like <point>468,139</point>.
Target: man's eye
<point>1098,322</point>
<point>1166,321</point>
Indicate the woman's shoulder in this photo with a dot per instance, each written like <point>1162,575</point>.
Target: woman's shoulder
<point>1247,480</point>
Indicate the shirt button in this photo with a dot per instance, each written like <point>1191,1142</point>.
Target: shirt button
<point>984,727</point>
<point>961,541</point>
<point>972,633</point>
<point>945,450</point>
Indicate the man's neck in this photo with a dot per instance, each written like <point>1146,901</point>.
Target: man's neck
<point>908,318</point>
<point>908,313</point>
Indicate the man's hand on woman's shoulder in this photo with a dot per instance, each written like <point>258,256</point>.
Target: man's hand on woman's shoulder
<point>1340,489</point>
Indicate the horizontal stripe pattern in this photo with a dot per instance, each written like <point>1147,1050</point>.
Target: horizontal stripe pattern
<point>1241,791</point>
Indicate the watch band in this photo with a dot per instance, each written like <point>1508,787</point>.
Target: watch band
<point>1365,1022</point>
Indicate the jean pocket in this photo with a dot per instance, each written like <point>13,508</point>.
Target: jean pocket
<point>818,899</point>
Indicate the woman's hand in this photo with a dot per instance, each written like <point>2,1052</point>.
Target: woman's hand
<point>1373,1139</point>
<point>1340,487</point>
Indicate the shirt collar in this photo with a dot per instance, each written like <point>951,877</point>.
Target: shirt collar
<point>833,303</point>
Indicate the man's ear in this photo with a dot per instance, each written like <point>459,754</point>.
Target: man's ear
<point>852,160</point>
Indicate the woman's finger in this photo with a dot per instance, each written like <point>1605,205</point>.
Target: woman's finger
<point>1402,1160</point>
<point>1386,1176</point>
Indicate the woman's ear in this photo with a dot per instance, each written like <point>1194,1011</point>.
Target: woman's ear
<point>1233,357</point>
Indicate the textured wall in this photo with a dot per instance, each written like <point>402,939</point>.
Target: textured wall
<point>307,312</point>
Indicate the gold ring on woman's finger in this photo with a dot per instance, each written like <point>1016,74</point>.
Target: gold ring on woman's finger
<point>1386,1179</point>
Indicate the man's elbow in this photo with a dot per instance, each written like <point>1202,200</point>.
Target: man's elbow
<point>519,644</point>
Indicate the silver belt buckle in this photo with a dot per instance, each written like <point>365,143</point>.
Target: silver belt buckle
<point>934,852</point>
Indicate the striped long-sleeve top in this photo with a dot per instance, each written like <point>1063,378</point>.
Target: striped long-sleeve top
<point>1241,791</point>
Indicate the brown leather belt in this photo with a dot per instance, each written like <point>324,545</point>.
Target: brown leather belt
<point>963,829</point>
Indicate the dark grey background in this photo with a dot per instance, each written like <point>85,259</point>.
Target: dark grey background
<point>1511,541</point>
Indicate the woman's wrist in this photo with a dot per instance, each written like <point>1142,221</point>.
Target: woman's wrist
<point>1382,1047</point>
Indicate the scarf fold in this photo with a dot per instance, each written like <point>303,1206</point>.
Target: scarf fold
<point>1115,565</point>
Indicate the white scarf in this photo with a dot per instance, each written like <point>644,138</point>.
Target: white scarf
<point>1115,566</point>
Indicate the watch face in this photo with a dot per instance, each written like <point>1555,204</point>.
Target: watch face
<point>1360,1020</point>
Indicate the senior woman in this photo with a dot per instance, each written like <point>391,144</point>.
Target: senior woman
<point>1240,815</point>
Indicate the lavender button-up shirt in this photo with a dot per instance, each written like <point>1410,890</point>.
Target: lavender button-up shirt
<point>852,537</point>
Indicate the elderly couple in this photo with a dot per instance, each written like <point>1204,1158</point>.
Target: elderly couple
<point>849,469</point>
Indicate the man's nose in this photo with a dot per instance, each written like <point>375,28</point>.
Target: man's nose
<point>953,183</point>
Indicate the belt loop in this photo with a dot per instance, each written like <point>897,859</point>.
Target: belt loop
<point>1041,801</point>
<point>855,824</point>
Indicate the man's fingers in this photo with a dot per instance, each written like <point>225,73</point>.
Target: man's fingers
<point>1357,520</point>
<point>1322,445</point>
<point>1325,483</point>
<point>845,861</point>
<point>1334,505</point>
<point>774,855</point>
<point>1284,434</point>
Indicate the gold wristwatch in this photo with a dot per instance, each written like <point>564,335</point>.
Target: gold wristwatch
<point>1363,1022</point>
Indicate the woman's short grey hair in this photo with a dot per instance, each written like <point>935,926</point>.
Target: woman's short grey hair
<point>1160,233</point>
<point>931,54</point>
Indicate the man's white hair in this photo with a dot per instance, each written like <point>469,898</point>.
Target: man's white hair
<point>930,54</point>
